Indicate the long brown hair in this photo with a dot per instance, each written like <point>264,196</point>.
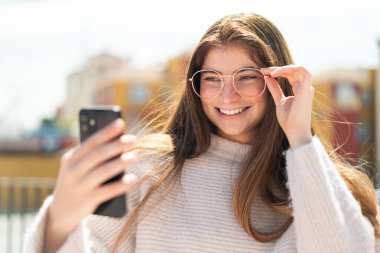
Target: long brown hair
<point>264,166</point>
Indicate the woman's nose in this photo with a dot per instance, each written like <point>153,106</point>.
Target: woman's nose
<point>228,91</point>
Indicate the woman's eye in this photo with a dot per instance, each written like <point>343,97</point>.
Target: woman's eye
<point>212,79</point>
<point>247,77</point>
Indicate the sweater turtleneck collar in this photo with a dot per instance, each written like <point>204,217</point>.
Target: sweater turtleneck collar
<point>228,149</point>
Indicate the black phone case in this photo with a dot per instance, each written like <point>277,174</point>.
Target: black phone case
<point>91,120</point>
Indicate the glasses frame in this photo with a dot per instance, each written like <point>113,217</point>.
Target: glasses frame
<point>222,81</point>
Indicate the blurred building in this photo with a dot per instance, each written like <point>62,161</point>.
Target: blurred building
<point>36,154</point>
<point>141,93</point>
<point>175,71</point>
<point>345,111</point>
<point>132,91</point>
<point>83,84</point>
<point>109,80</point>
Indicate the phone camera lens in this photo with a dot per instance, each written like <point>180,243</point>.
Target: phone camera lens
<point>84,128</point>
<point>92,122</point>
<point>83,118</point>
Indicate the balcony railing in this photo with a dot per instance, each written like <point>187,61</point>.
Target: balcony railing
<point>20,199</point>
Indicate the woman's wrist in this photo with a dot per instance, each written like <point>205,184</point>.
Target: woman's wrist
<point>299,140</point>
<point>55,233</point>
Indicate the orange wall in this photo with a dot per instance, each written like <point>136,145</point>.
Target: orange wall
<point>29,165</point>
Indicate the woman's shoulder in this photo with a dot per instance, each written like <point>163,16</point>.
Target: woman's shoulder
<point>152,151</point>
<point>145,163</point>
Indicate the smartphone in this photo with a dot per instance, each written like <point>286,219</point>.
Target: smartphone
<point>91,120</point>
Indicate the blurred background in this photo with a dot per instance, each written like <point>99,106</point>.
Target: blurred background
<point>59,55</point>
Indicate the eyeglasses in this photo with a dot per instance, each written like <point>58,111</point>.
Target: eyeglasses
<point>248,82</point>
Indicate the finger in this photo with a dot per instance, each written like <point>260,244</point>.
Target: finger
<point>67,156</point>
<point>105,152</point>
<point>295,74</point>
<point>298,77</point>
<point>268,71</point>
<point>104,135</point>
<point>274,89</point>
<point>111,169</point>
<point>286,71</point>
<point>111,190</point>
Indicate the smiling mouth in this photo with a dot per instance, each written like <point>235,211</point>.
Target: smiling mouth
<point>233,111</point>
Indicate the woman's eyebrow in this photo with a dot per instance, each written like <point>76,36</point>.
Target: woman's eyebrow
<point>221,72</point>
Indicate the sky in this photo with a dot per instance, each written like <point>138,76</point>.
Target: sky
<point>42,41</point>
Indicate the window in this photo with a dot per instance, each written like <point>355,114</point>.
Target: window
<point>347,96</point>
<point>138,94</point>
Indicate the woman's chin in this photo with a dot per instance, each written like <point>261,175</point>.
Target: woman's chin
<point>235,135</point>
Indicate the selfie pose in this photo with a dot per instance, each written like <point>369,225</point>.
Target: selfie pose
<point>236,166</point>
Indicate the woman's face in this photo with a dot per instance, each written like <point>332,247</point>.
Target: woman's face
<point>235,117</point>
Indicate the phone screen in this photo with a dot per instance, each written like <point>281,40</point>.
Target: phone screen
<point>91,120</point>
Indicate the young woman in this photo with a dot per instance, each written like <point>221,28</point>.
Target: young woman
<point>235,168</point>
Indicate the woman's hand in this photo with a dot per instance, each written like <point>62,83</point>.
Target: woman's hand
<point>293,112</point>
<point>79,189</point>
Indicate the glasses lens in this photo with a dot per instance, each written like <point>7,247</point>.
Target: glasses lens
<point>249,82</point>
<point>207,84</point>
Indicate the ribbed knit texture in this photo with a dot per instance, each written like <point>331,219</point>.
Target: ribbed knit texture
<point>197,215</point>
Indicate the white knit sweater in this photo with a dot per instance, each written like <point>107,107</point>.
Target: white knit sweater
<point>197,215</point>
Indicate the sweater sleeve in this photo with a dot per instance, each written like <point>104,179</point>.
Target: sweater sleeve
<point>94,234</point>
<point>327,217</point>
<point>33,241</point>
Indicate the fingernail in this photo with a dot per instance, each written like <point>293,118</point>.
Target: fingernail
<point>128,156</point>
<point>118,121</point>
<point>128,138</point>
<point>129,178</point>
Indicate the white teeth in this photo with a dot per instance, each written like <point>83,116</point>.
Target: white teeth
<point>231,112</point>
